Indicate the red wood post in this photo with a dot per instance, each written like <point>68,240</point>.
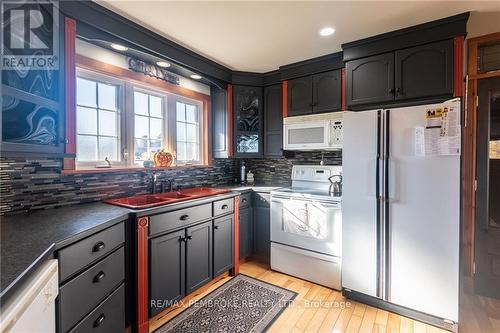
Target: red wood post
<point>142,275</point>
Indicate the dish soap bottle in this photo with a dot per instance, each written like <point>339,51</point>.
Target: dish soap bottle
<point>250,179</point>
<point>242,172</point>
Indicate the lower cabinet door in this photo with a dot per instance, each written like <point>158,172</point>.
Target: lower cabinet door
<point>167,272</point>
<point>246,232</point>
<point>223,244</point>
<point>198,256</point>
<point>262,239</point>
<point>109,316</point>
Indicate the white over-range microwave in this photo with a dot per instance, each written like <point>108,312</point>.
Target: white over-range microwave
<point>313,132</point>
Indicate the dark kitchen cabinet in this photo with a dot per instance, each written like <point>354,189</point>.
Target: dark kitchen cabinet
<point>223,244</point>
<point>246,232</point>
<point>262,226</point>
<point>424,71</point>
<point>327,92</point>
<point>219,123</point>
<point>300,92</point>
<point>198,256</point>
<point>370,80</point>
<point>248,127</point>
<point>316,93</point>
<point>167,273</point>
<point>273,120</point>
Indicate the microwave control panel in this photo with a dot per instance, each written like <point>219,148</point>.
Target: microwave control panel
<point>336,132</point>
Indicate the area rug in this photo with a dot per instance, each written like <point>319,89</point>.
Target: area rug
<point>243,304</point>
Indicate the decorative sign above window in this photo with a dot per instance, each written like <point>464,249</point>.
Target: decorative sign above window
<point>152,70</point>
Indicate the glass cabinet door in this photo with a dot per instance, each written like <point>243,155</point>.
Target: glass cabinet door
<point>247,107</point>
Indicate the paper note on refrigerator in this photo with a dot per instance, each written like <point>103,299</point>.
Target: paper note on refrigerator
<point>441,134</point>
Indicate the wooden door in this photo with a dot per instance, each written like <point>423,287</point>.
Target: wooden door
<point>487,251</point>
<point>198,256</point>
<point>273,120</point>
<point>223,244</point>
<point>424,71</point>
<point>370,80</point>
<point>327,92</point>
<point>167,272</point>
<point>300,96</point>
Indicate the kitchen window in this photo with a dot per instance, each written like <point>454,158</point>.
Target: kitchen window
<point>126,122</point>
<point>98,105</point>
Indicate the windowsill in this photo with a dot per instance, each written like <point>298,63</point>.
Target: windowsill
<point>122,169</point>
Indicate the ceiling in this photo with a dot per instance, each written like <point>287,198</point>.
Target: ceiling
<point>260,36</point>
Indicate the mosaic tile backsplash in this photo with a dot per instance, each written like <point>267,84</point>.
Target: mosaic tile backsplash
<point>38,184</point>
<point>35,184</point>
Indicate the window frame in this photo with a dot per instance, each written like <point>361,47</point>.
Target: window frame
<point>120,100</point>
<point>201,127</point>
<point>152,86</point>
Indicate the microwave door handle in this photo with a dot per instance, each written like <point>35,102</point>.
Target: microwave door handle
<point>330,132</point>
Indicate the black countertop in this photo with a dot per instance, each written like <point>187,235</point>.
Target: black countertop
<point>29,238</point>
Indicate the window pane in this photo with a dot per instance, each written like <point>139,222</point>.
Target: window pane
<point>181,114</point>
<point>154,145</point>
<point>86,121</point>
<point>156,128</point>
<point>191,113</point>
<point>141,150</point>
<point>107,96</point>
<point>192,151</point>
<point>140,103</point>
<point>181,131</point>
<point>141,127</point>
<point>107,123</point>
<point>191,133</point>
<point>108,147</point>
<point>181,151</point>
<point>155,106</point>
<point>86,147</point>
<point>85,92</point>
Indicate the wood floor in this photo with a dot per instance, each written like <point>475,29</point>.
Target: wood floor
<point>317,309</point>
<point>478,313</point>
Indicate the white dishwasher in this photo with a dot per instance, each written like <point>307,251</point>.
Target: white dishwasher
<point>32,309</point>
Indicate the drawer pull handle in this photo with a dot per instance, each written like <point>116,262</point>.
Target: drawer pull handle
<point>216,227</point>
<point>98,247</point>
<point>224,206</point>
<point>244,200</point>
<point>185,217</point>
<point>99,277</point>
<point>99,320</point>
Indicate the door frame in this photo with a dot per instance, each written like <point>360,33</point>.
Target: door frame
<point>469,147</point>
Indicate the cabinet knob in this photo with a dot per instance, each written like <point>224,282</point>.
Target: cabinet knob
<point>99,320</point>
<point>99,277</point>
<point>188,237</point>
<point>391,91</point>
<point>243,200</point>
<point>99,246</point>
<point>225,206</point>
<point>216,227</point>
<point>399,91</point>
<point>184,217</point>
<point>182,239</point>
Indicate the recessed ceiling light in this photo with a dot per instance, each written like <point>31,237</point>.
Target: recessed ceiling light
<point>119,47</point>
<point>195,76</point>
<point>327,31</point>
<point>163,64</point>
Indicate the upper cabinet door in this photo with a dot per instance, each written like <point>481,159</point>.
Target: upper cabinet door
<point>370,80</point>
<point>327,92</point>
<point>273,120</point>
<point>247,108</point>
<point>425,71</point>
<point>219,123</point>
<point>300,96</point>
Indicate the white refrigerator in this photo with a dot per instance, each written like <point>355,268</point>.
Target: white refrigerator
<point>401,210</point>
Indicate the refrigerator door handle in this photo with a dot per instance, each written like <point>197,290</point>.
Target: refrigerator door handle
<point>393,180</point>
<point>387,221</point>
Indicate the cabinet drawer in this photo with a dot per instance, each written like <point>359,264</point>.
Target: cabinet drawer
<point>109,316</point>
<point>79,255</point>
<point>245,199</point>
<point>223,206</point>
<point>179,218</point>
<point>80,295</point>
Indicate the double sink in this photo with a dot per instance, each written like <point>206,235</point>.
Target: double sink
<point>160,199</point>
